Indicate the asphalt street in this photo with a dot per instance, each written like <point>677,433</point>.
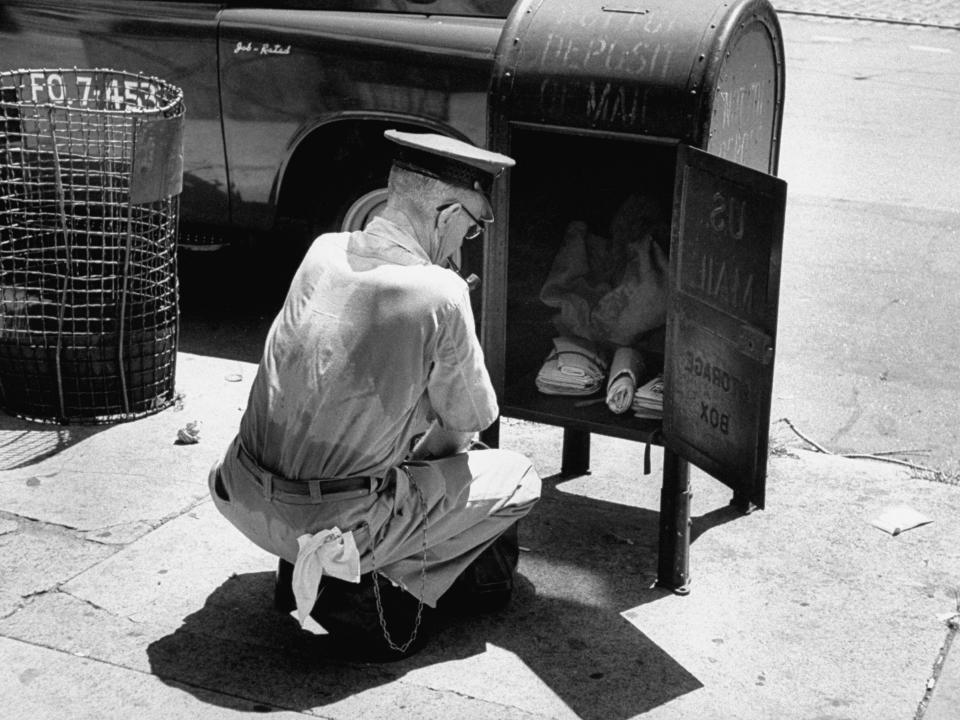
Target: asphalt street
<point>933,13</point>
<point>868,345</point>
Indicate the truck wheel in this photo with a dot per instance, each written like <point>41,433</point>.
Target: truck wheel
<point>363,210</point>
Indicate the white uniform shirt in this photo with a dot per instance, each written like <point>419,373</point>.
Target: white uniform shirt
<point>373,342</point>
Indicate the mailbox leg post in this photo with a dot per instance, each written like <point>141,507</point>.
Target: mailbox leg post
<point>576,452</point>
<point>741,501</point>
<point>673,568</point>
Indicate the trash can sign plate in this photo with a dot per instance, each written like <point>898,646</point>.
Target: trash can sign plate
<point>95,89</point>
<point>157,171</point>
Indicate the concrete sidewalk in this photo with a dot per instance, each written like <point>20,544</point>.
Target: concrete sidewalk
<point>125,594</point>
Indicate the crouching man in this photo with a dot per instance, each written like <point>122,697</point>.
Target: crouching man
<point>354,461</point>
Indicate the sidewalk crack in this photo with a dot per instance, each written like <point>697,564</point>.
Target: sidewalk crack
<point>472,698</point>
<point>938,663</point>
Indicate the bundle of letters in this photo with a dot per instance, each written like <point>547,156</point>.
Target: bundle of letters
<point>574,367</point>
<point>648,399</point>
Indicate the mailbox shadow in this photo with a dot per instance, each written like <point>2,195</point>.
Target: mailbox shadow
<point>585,562</point>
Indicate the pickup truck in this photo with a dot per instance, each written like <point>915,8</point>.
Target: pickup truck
<point>286,100</point>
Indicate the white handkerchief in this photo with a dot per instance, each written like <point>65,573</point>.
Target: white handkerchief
<point>330,552</point>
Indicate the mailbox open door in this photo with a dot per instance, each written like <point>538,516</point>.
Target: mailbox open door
<point>726,238</point>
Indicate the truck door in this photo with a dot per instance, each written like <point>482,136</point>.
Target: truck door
<point>175,41</point>
<point>307,93</point>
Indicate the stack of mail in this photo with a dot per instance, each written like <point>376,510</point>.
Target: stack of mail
<point>574,367</point>
<point>648,400</point>
<point>625,368</point>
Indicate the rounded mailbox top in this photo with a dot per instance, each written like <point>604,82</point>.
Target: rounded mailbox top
<point>676,69</point>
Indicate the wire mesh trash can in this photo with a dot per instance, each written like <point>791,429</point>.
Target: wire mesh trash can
<point>90,176</point>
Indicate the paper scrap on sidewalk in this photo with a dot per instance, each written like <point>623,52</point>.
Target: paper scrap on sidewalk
<point>898,519</point>
<point>189,434</point>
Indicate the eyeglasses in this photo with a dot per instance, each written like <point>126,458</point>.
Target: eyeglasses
<point>479,224</point>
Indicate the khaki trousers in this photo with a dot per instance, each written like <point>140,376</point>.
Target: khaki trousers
<point>450,510</point>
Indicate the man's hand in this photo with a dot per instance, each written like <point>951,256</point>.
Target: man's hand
<point>438,443</point>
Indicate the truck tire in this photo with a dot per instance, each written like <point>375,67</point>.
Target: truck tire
<point>363,209</point>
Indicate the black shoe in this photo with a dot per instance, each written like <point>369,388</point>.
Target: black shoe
<point>486,585</point>
<point>348,611</point>
<point>283,599</point>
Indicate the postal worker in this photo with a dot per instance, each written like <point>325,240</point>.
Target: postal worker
<point>355,460</point>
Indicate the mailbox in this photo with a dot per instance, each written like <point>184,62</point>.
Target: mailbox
<point>679,103</point>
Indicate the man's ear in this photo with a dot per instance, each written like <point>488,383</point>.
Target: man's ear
<point>447,214</point>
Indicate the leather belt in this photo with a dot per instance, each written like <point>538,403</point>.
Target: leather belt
<point>315,488</point>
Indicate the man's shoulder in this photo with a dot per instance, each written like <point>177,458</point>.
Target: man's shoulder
<point>438,286</point>
<point>338,241</point>
<point>389,269</point>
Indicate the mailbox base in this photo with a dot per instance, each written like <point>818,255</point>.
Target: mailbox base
<point>673,562</point>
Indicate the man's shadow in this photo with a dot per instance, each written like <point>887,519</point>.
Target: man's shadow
<point>585,562</point>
